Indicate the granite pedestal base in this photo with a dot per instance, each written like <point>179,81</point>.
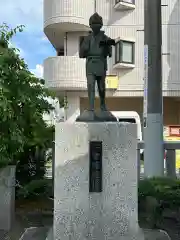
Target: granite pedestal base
<point>7,197</point>
<point>111,214</point>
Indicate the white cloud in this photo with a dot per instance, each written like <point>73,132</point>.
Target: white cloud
<point>38,71</point>
<point>33,45</point>
<point>20,12</point>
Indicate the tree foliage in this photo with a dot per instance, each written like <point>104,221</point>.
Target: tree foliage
<point>23,100</point>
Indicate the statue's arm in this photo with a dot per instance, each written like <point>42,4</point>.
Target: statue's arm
<point>110,51</point>
<point>109,48</point>
<point>84,48</point>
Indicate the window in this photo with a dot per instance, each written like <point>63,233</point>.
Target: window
<point>125,1</point>
<point>124,52</point>
<point>60,52</point>
<point>128,120</point>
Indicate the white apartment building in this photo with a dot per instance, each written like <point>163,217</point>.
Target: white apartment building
<point>67,21</point>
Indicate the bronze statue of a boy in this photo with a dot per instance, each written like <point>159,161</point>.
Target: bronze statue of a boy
<point>96,47</point>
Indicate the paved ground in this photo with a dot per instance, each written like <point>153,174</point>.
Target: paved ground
<point>156,235</point>
<point>25,218</point>
<point>35,233</point>
<point>38,219</point>
<point>170,223</point>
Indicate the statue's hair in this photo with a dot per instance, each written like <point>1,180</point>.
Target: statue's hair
<point>95,18</point>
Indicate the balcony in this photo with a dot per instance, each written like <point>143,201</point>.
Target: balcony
<point>67,16</point>
<point>65,73</point>
<point>68,73</point>
<point>124,4</point>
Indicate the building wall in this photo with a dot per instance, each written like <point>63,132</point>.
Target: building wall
<point>171,107</point>
<point>126,24</point>
<point>76,105</point>
<point>129,24</point>
<point>171,44</point>
<point>65,21</point>
<point>73,43</point>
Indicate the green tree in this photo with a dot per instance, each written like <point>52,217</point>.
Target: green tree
<point>23,100</point>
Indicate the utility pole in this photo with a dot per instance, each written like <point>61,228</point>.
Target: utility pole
<point>95,5</point>
<point>153,98</point>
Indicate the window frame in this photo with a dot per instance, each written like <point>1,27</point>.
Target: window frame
<point>119,45</point>
<point>60,52</point>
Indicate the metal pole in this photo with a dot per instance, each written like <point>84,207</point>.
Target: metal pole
<point>153,99</point>
<point>171,163</point>
<point>138,164</point>
<point>53,162</point>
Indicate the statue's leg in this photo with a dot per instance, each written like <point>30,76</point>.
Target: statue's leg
<point>91,90</point>
<point>102,91</point>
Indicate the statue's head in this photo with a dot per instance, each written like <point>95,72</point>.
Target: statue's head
<point>95,22</point>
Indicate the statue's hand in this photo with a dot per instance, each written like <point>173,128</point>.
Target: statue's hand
<point>108,42</point>
<point>111,42</point>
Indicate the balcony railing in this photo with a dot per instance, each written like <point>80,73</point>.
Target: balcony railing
<point>125,1</point>
<point>65,73</point>
<point>124,4</point>
<point>67,16</point>
<point>170,159</point>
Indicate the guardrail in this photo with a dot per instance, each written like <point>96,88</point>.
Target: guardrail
<point>170,147</point>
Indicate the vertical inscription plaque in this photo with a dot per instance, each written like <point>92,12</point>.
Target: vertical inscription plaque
<point>95,166</point>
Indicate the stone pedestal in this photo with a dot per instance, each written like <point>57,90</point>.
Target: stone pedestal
<point>111,214</point>
<point>7,197</point>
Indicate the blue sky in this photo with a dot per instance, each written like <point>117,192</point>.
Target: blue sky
<point>34,46</point>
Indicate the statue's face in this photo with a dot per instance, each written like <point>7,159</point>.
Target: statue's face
<point>96,27</point>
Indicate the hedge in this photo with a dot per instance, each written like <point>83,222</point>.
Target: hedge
<point>165,190</point>
<point>156,196</point>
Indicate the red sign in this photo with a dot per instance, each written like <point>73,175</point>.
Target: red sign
<point>174,131</point>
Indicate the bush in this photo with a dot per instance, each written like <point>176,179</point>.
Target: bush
<point>157,195</point>
<point>31,165</point>
<point>165,190</point>
<point>35,189</point>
